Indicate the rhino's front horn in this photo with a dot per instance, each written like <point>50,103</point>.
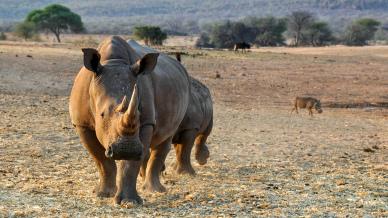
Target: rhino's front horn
<point>130,115</point>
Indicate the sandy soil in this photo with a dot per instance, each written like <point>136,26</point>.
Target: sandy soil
<point>264,161</point>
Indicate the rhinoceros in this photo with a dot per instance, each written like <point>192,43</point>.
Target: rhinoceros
<point>126,104</point>
<point>194,129</point>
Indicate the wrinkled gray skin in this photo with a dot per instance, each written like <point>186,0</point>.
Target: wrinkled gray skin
<point>194,129</point>
<point>307,102</point>
<point>118,120</point>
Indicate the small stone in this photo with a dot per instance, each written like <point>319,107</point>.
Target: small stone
<point>368,150</point>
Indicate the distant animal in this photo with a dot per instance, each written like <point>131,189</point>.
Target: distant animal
<point>241,45</point>
<point>195,128</point>
<point>178,56</point>
<point>126,104</point>
<point>307,102</point>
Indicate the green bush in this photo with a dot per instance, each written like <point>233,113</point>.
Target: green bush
<point>3,36</point>
<point>318,34</point>
<point>25,30</point>
<point>266,31</point>
<point>152,35</point>
<point>361,31</point>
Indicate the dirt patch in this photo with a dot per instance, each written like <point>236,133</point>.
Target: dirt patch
<point>356,105</point>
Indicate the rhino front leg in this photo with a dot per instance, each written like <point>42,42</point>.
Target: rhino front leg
<point>129,170</point>
<point>183,152</point>
<point>155,165</point>
<point>126,182</point>
<point>145,137</point>
<point>105,166</point>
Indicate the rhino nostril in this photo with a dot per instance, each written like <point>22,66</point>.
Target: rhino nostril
<point>109,152</point>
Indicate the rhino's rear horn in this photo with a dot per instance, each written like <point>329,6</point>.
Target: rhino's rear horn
<point>123,105</point>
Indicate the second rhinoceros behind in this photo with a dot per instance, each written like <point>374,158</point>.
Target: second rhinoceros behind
<point>194,129</point>
<point>126,98</point>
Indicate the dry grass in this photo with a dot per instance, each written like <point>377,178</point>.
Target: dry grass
<point>264,161</point>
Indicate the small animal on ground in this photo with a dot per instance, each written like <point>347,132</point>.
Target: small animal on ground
<point>307,102</point>
<point>178,56</point>
<point>241,45</point>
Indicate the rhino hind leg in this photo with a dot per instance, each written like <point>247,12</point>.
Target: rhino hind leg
<point>155,164</point>
<point>201,150</point>
<point>106,167</point>
<point>183,152</point>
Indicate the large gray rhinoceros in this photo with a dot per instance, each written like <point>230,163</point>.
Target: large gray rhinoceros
<point>126,104</point>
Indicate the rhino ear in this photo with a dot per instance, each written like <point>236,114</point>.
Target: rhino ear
<point>92,59</point>
<point>145,64</point>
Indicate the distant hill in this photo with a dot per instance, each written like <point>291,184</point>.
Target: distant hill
<point>120,15</point>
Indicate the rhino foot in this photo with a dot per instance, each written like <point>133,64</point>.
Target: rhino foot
<point>188,170</point>
<point>153,186</point>
<point>202,154</point>
<point>105,192</point>
<point>128,201</point>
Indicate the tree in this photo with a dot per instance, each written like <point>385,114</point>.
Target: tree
<point>57,19</point>
<point>3,36</point>
<point>25,30</point>
<point>150,34</point>
<point>221,35</point>
<point>268,31</point>
<point>298,22</point>
<point>318,34</point>
<point>360,31</point>
<point>203,41</point>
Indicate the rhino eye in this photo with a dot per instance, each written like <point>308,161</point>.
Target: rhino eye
<point>102,114</point>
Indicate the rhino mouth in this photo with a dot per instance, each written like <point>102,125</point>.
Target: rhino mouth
<point>125,150</point>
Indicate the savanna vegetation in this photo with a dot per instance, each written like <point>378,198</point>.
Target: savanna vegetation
<point>299,28</point>
<point>120,17</point>
<point>54,18</point>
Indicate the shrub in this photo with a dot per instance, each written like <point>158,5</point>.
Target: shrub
<point>360,31</point>
<point>152,35</point>
<point>25,30</point>
<point>3,36</point>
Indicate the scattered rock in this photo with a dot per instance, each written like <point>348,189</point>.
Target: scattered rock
<point>29,56</point>
<point>218,75</point>
<point>368,150</point>
<point>341,182</point>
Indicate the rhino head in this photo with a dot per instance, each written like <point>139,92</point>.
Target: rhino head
<point>115,101</point>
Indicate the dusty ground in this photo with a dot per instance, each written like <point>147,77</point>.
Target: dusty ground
<point>263,162</point>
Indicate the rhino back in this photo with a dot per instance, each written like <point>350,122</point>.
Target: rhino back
<point>200,111</point>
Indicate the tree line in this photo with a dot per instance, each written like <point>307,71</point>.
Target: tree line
<point>300,28</point>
